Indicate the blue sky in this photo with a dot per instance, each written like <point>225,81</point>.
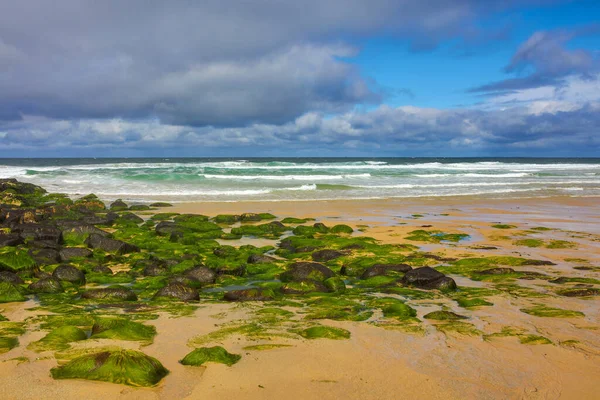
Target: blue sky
<point>283,78</point>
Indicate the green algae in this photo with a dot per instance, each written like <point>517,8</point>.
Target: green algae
<point>473,302</point>
<point>534,339</point>
<point>341,228</point>
<point>263,347</point>
<point>163,216</point>
<point>503,226</point>
<point>8,343</point>
<point>15,259</point>
<point>421,235</point>
<point>544,311</point>
<point>325,332</point>
<point>52,321</point>
<point>462,328</point>
<point>292,220</point>
<point>216,354</point>
<point>127,367</point>
<point>58,339</point>
<point>10,293</point>
<point>579,292</point>
<point>560,244</point>
<point>393,308</point>
<point>335,284</point>
<point>123,329</point>
<point>443,315</point>
<point>338,309</point>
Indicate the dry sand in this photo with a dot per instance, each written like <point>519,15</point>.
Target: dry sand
<point>377,363</point>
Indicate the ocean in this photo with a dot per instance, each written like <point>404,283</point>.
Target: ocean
<point>275,179</point>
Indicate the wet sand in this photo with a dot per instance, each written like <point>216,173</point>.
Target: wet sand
<point>378,363</point>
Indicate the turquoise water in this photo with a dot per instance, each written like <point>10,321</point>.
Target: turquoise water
<point>273,179</point>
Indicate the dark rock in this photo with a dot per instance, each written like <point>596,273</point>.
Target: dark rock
<point>249,295</point>
<point>110,245</point>
<point>10,239</point>
<point>161,204</point>
<point>69,273</point>
<point>303,271</point>
<point>201,274</point>
<point>260,259</point>
<point>41,274</point>
<point>497,271</point>
<point>384,269</point>
<point>306,249</point>
<point>20,187</point>
<point>46,285</point>
<point>166,228</point>
<point>584,292</point>
<point>118,205</point>
<point>38,232</point>
<point>178,291</point>
<point>10,277</point>
<point>102,269</point>
<point>326,255</point>
<point>43,244</point>
<point>69,253</point>
<point>277,224</point>
<point>131,217</point>
<point>484,247</point>
<point>353,246</point>
<point>45,256</point>
<point>428,278</point>
<point>97,220</point>
<point>538,262</point>
<point>154,270</point>
<point>239,270</point>
<point>80,228</point>
<point>110,293</point>
<point>303,287</point>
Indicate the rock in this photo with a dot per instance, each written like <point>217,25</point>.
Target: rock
<point>20,187</point>
<point>303,287</point>
<point>69,273</point>
<point>102,269</point>
<point>44,256</point>
<point>161,204</point>
<point>239,270</point>
<point>443,315</point>
<point>384,269</point>
<point>69,253</point>
<point>118,205</point>
<point>166,228</point>
<point>225,251</point>
<point>538,262</point>
<point>110,293</point>
<point>428,278</point>
<point>139,207</point>
<point>38,232</point>
<point>354,246</point>
<point>131,217</point>
<point>335,284</point>
<point>10,277</point>
<point>178,291</point>
<point>249,295</point>
<point>584,292</point>
<point>110,245</point>
<point>248,217</point>
<point>302,271</point>
<point>43,244</point>
<point>326,255</point>
<point>260,259</point>
<point>46,285</point>
<point>10,239</point>
<point>10,293</point>
<point>201,274</point>
<point>80,228</point>
<point>154,270</point>
<point>497,271</point>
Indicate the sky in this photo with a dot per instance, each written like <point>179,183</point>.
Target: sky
<point>258,78</point>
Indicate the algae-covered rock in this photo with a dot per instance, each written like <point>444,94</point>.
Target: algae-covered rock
<point>178,291</point>
<point>249,295</point>
<point>260,259</point>
<point>428,278</point>
<point>127,367</point>
<point>45,256</point>
<point>303,287</point>
<point>345,229</point>
<point>46,285</point>
<point>215,354</point>
<point>102,269</point>
<point>110,293</point>
<point>58,339</point>
<point>10,239</point>
<point>100,242</point>
<point>443,315</point>
<point>118,205</point>
<point>325,332</point>
<point>335,284</point>
<point>384,269</point>
<point>16,260</point>
<point>303,271</point>
<point>201,274</point>
<point>226,218</point>
<point>161,204</point>
<point>10,277</point>
<point>69,273</point>
<point>119,328</point>
<point>130,217</point>
<point>7,343</point>
<point>68,253</point>
<point>326,255</point>
<point>10,293</point>
<point>38,232</point>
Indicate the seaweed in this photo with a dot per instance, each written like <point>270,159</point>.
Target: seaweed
<point>58,339</point>
<point>325,332</point>
<point>216,354</point>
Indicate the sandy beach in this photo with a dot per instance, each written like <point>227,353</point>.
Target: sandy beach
<point>381,360</point>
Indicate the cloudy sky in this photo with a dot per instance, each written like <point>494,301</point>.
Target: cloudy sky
<point>299,78</point>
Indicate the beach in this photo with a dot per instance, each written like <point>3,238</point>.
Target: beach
<point>497,351</point>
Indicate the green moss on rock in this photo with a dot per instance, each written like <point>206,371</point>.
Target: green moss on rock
<point>58,339</point>
<point>325,332</point>
<point>216,354</point>
<point>120,328</point>
<point>10,293</point>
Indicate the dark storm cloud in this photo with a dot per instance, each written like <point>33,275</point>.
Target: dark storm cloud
<point>206,62</point>
<point>545,60</point>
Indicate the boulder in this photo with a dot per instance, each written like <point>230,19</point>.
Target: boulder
<point>303,271</point>
<point>260,259</point>
<point>102,269</point>
<point>166,228</point>
<point>110,293</point>
<point>154,270</point>
<point>80,228</point>
<point>68,253</point>
<point>249,295</point>
<point>118,205</point>
<point>178,291</point>
<point>38,232</point>
<point>110,245</point>
<point>201,274</point>
<point>46,285</point>
<point>10,277</point>
<point>326,255</point>
<point>428,278</point>
<point>384,269</point>
<point>131,217</point>
<point>69,273</point>
<point>10,239</point>
<point>44,256</point>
